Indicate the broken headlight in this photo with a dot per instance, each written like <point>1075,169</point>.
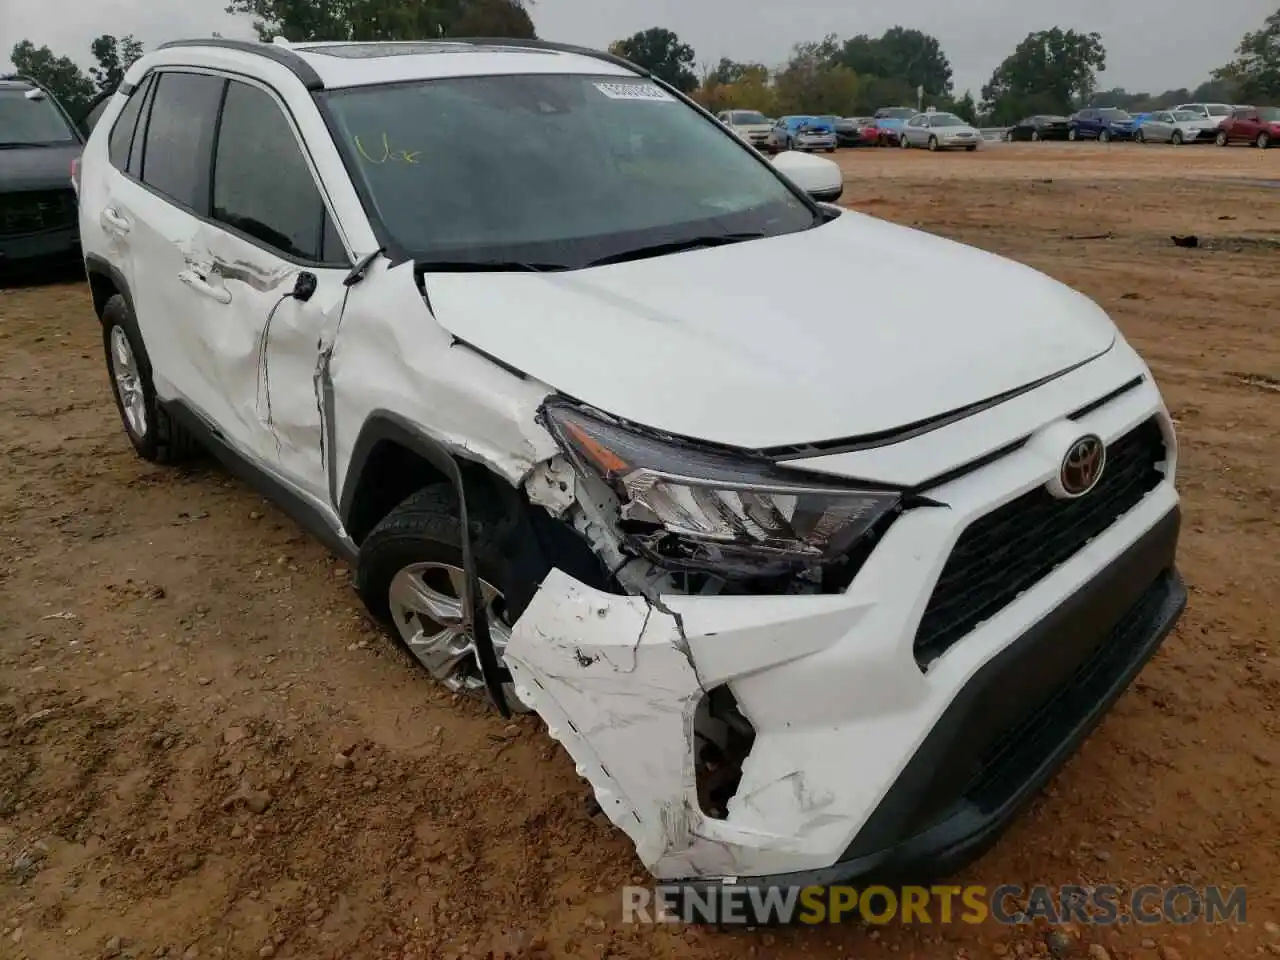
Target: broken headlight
<point>686,505</point>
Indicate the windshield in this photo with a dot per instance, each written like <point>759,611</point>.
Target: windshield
<point>24,121</point>
<point>1118,116</point>
<point>1184,115</point>
<point>895,113</point>
<point>947,120</point>
<point>1270,114</point>
<point>1218,111</point>
<point>748,116</point>
<point>590,168</point>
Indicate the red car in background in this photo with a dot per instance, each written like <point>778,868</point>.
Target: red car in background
<point>857,132</point>
<point>1259,126</point>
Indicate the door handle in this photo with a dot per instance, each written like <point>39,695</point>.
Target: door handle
<point>113,221</point>
<point>201,286</point>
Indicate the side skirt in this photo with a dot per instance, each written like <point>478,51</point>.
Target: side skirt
<point>297,507</point>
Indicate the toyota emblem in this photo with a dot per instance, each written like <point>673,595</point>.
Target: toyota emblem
<point>1082,466</point>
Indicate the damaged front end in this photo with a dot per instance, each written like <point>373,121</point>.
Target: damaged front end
<point>637,680</point>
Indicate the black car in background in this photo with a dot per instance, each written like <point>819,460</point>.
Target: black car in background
<point>39,145</point>
<point>1040,127</point>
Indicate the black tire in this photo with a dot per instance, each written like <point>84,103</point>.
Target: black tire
<point>1139,136</point>
<point>829,150</point>
<point>1221,138</point>
<point>425,528</point>
<point>1176,139</point>
<point>1035,136</point>
<point>1073,135</point>
<point>933,144</point>
<point>1263,141</point>
<point>163,440</point>
<point>1104,136</point>
<point>972,147</point>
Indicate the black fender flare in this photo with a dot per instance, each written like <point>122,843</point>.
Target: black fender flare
<point>383,425</point>
<point>95,265</point>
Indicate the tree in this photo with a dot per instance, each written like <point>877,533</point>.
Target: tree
<point>1255,73</point>
<point>114,58</point>
<point>1046,73</point>
<point>910,56</point>
<point>354,20</point>
<point>730,71</point>
<point>660,52</point>
<point>59,75</point>
<point>814,81</point>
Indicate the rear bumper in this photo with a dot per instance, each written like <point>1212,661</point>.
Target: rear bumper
<point>1044,693</point>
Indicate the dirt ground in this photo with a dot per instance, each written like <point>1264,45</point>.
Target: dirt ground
<point>180,666</point>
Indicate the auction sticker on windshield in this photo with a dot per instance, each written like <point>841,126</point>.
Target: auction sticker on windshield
<point>634,91</point>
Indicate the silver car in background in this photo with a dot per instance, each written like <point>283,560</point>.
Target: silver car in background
<point>1213,113</point>
<point>939,131</point>
<point>1176,127</point>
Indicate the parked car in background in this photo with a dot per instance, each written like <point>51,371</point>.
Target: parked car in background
<point>1103,124</point>
<point>1214,113</point>
<point>891,120</point>
<point>857,132</point>
<point>1039,127</point>
<point>939,131</point>
<point>1257,125</point>
<point>802,133</point>
<point>39,149</point>
<point>1139,119</point>
<point>751,125</point>
<point>1176,127</point>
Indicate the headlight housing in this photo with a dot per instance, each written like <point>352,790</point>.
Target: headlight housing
<point>689,506</point>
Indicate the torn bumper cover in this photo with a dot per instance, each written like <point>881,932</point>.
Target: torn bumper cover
<point>863,764</point>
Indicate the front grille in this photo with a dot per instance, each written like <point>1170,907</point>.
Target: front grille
<point>35,210</point>
<point>1014,547</point>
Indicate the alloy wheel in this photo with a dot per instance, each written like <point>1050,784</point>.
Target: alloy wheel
<point>127,379</point>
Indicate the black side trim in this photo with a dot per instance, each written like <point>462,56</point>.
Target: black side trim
<point>886,438</point>
<point>96,265</point>
<point>1106,398</point>
<point>298,509</point>
<point>385,425</point>
<point>281,55</point>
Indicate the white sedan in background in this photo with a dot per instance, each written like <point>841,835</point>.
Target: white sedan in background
<point>939,131</point>
<point>1176,127</point>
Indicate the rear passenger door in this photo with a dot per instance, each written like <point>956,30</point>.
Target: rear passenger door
<point>269,226</point>
<point>157,211</point>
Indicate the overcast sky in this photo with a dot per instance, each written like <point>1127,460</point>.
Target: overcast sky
<point>1152,45</point>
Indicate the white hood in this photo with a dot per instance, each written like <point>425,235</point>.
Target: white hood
<point>853,327</point>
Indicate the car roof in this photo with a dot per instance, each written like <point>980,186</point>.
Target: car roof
<point>340,64</point>
<point>16,83</point>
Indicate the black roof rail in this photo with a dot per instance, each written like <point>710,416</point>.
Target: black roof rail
<point>281,55</point>
<point>551,45</point>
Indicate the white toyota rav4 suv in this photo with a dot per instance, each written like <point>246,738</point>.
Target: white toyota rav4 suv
<point>808,595</point>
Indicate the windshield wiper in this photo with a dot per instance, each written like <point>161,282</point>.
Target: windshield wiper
<point>676,246</point>
<point>21,144</point>
<point>487,266</point>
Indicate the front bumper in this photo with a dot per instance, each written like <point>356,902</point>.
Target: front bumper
<point>864,761</point>
<point>61,245</point>
<point>816,143</point>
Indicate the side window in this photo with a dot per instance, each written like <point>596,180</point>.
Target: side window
<point>179,137</point>
<point>262,185</point>
<point>138,150</point>
<point>122,133</point>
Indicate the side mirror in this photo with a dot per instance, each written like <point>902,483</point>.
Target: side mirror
<point>819,177</point>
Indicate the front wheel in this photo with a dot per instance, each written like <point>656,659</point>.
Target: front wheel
<point>412,579</point>
<point>1104,136</point>
<point>1139,136</point>
<point>972,147</point>
<point>1221,138</point>
<point>830,150</point>
<point>1073,134</point>
<point>1176,139</point>
<point>1035,136</point>
<point>903,143</point>
<point>1264,140</point>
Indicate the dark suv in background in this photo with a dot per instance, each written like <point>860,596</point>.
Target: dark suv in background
<point>1102,124</point>
<point>38,147</point>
